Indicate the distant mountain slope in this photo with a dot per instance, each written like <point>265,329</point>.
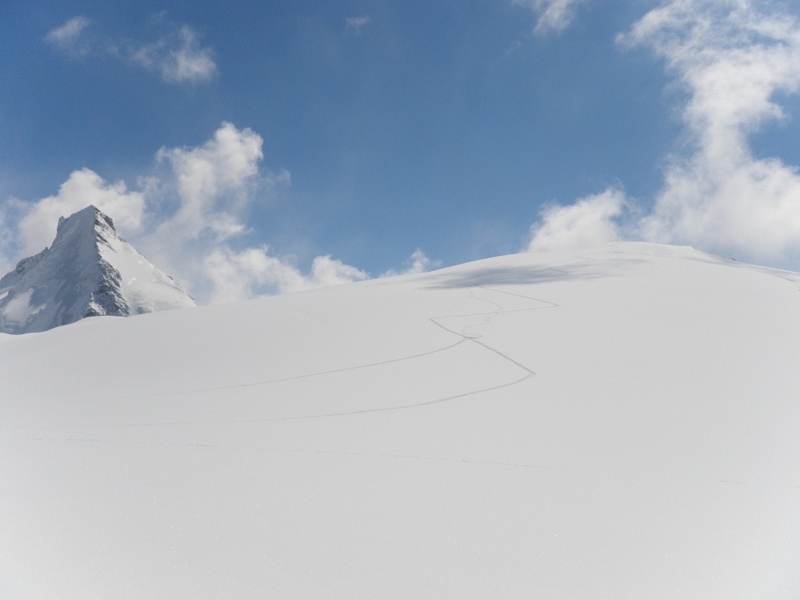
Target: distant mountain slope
<point>602,425</point>
<point>88,271</point>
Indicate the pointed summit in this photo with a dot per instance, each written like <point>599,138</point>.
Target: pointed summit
<point>88,271</point>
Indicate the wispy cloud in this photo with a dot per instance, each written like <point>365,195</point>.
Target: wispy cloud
<point>356,24</point>
<point>732,58</point>
<point>69,37</point>
<point>178,58</point>
<point>552,15</point>
<point>177,55</point>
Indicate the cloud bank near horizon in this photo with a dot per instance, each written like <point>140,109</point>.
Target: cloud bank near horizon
<point>186,218</point>
<point>732,59</point>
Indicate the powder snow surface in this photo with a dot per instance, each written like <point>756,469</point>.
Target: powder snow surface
<point>620,423</point>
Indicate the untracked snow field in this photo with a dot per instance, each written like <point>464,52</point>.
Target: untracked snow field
<point>617,423</point>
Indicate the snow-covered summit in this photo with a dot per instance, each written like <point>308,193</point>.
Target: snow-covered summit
<point>88,271</point>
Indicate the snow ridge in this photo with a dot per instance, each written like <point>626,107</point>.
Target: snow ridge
<point>88,271</point>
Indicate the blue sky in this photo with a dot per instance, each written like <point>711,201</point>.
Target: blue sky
<point>239,144</point>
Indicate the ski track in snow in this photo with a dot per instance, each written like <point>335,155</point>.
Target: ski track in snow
<point>293,377</point>
<point>361,411</point>
<point>547,507</point>
<point>261,382</point>
<point>435,320</point>
<point>464,338</point>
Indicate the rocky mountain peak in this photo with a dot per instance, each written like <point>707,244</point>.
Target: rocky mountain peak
<point>89,270</point>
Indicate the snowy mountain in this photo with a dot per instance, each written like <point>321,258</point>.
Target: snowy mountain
<point>88,271</point>
<point>618,423</point>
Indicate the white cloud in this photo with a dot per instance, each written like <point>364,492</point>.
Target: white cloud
<point>37,226</point>
<point>184,220</point>
<point>213,183</point>
<point>242,275</point>
<point>69,36</point>
<point>418,262</point>
<point>178,57</point>
<point>355,24</point>
<point>732,59</point>
<point>327,271</point>
<point>553,15</point>
<point>211,187</point>
<point>589,222</point>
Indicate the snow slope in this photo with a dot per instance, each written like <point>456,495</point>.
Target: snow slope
<point>620,423</point>
<point>88,271</point>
